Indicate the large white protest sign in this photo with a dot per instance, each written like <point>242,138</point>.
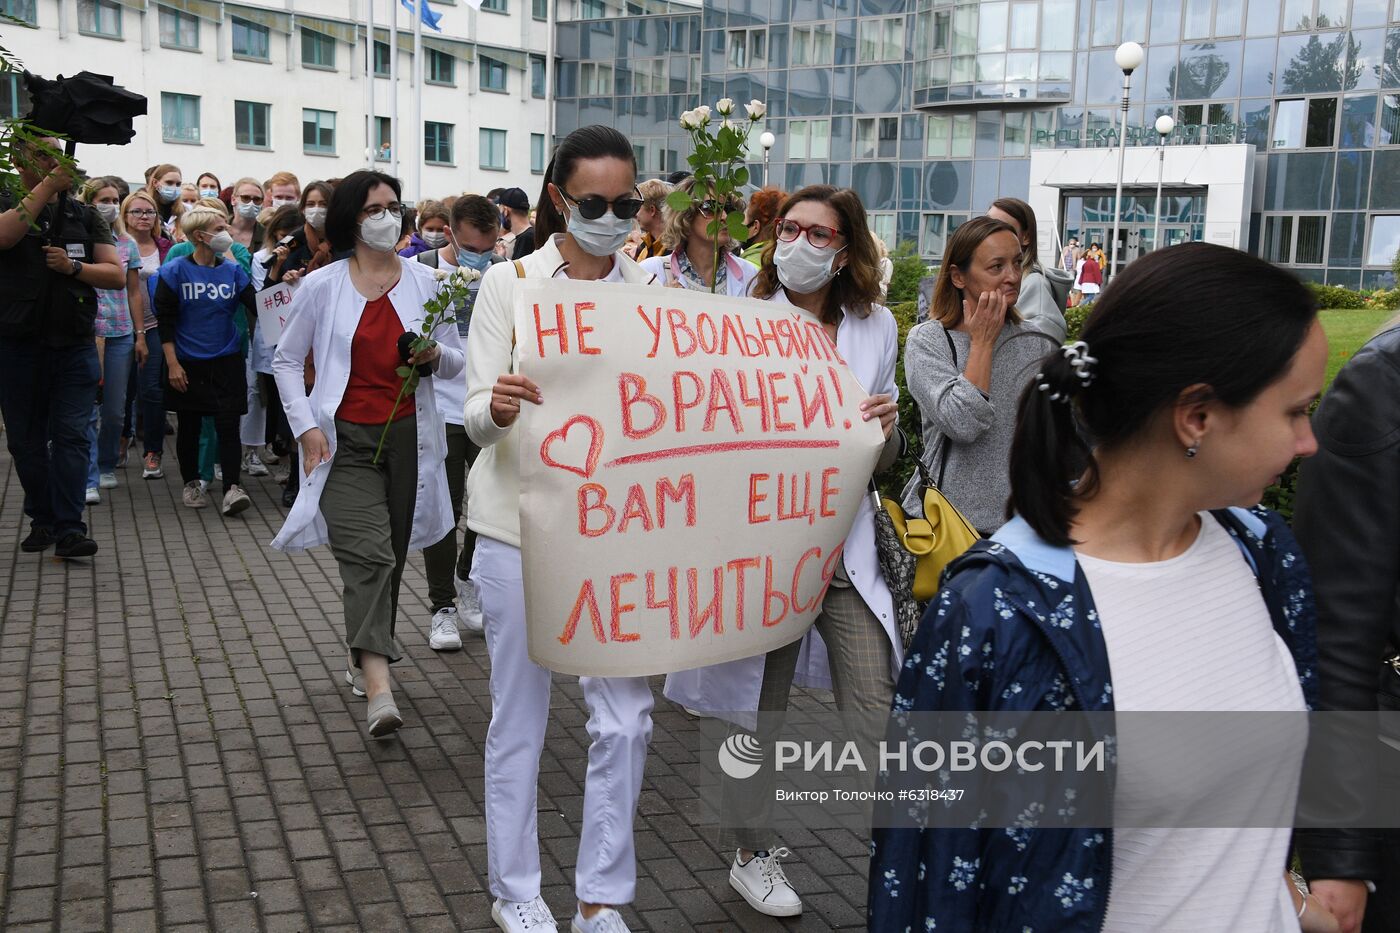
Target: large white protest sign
<point>274,303</point>
<point>689,479</point>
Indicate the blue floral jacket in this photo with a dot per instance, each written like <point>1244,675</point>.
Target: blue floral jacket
<point>1014,628</point>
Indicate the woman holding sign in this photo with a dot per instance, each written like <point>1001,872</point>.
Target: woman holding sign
<point>371,456</point>
<point>824,262</point>
<point>586,209</point>
<point>689,260</point>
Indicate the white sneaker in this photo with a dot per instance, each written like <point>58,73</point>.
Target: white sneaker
<point>236,500</point>
<point>523,916</point>
<point>107,480</point>
<point>193,496</point>
<point>218,472</point>
<point>761,882</point>
<point>606,920</point>
<point>92,497</point>
<point>469,607</point>
<point>354,677</point>
<point>443,634</point>
<point>269,456</point>
<point>252,463</point>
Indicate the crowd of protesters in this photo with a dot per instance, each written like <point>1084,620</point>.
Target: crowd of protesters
<point>1113,482</point>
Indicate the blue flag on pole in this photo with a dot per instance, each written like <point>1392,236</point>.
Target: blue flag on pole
<point>430,18</point>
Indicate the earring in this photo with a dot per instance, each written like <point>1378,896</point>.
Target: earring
<point>1193,450</point>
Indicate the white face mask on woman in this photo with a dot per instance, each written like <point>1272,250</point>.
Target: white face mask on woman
<point>316,217</point>
<point>382,232</point>
<point>601,237</point>
<point>108,212</point>
<point>221,242</point>
<point>434,238</point>
<point>802,268</point>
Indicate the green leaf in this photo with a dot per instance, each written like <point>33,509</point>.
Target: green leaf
<point>712,228</point>
<point>695,159</point>
<point>737,231</point>
<point>741,176</point>
<point>678,201</point>
<point>403,372</point>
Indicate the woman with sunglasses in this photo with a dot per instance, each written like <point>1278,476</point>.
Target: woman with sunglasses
<point>689,260</point>
<point>353,315</point>
<point>586,208</point>
<point>142,222</point>
<point>246,201</point>
<point>823,261</point>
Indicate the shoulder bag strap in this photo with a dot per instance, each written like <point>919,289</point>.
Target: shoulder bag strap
<point>947,441</point>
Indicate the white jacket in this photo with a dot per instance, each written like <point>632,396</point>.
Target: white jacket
<point>736,284</point>
<point>870,347</point>
<point>326,311</point>
<point>493,485</point>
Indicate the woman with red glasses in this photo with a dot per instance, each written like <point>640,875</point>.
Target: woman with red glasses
<point>822,261</point>
<point>688,259</point>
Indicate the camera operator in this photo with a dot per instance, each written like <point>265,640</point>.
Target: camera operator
<point>49,376</point>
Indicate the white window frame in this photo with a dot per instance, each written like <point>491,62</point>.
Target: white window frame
<point>925,248</point>
<point>1370,234</point>
<point>650,75</point>
<point>593,75</point>
<point>825,29</point>
<point>955,121</point>
<point>889,219</point>
<point>877,122</point>
<point>1291,255</point>
<point>806,154</point>
<point>746,48</point>
<point>1307,107</point>
<point>882,47</point>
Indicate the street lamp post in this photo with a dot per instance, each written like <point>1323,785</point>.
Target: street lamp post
<point>1165,124</point>
<point>1128,57</point>
<point>766,141</point>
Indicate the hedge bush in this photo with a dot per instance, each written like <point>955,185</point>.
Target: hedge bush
<point>1334,296</point>
<point>908,270</point>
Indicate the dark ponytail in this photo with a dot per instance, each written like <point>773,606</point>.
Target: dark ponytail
<point>586,142</point>
<point>1150,342</point>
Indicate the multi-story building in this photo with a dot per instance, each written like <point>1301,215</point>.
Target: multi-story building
<point>249,88</point>
<point>1287,138</point>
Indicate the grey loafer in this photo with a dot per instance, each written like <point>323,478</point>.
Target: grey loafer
<point>354,677</point>
<point>384,718</point>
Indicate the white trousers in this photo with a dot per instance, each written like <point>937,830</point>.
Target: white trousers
<point>252,427</point>
<point>619,727</point>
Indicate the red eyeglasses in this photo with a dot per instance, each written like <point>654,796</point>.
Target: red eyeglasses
<point>818,235</point>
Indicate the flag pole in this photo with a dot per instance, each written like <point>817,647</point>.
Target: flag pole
<point>393,88</point>
<point>418,72</point>
<point>371,147</point>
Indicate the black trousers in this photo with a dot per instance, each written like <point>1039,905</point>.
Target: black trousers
<point>187,445</point>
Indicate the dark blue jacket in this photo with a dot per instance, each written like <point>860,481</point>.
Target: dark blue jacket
<point>1014,628</point>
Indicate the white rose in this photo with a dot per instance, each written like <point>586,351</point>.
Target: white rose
<point>441,274</point>
<point>729,125</point>
<point>725,107</point>
<point>689,120</point>
<point>756,109</point>
<point>703,112</point>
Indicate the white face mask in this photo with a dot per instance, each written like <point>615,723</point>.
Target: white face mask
<point>382,232</point>
<point>108,212</point>
<point>802,268</point>
<point>221,242</point>
<point>208,192</point>
<point>601,237</point>
<point>282,202</point>
<point>316,217</point>
<point>434,239</point>
<point>249,211</point>
<point>168,193</point>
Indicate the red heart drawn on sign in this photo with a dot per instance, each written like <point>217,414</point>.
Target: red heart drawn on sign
<point>595,447</point>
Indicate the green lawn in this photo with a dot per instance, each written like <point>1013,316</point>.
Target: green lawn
<point>1346,332</point>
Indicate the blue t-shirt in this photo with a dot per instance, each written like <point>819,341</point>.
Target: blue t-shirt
<point>209,298</point>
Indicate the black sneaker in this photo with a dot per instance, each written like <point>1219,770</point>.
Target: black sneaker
<point>75,544</point>
<point>40,539</point>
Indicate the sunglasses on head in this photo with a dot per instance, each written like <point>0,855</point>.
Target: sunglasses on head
<point>593,206</point>
<point>710,207</point>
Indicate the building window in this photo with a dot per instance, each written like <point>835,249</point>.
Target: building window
<point>814,44</point>
<point>179,118</point>
<point>748,48</point>
<point>383,133</point>
<point>1389,125</point>
<point>877,137</point>
<point>693,85</point>
<point>809,139</point>
<point>493,75</point>
<point>317,49</point>
<point>1025,25</point>
<point>1305,124</point>
<point>1307,15</point>
<point>536,153</point>
<point>1385,237</point>
<point>1294,240</point>
<point>13,99</point>
<point>250,41</point>
<point>250,121</point>
<point>381,59</point>
<point>539,9</point>
<point>494,6</point>
<point>949,136</point>
<point>883,226</point>
<point>934,233</point>
<point>881,40</point>
<point>100,18</point>
<point>22,10</point>
<point>1206,18</point>
<point>437,143</point>
<point>595,79</point>
<point>442,68</point>
<point>493,149</point>
<point>178,30</point>
<point>318,132</point>
<point>593,9</point>
<point>537,79</point>
<point>649,76</point>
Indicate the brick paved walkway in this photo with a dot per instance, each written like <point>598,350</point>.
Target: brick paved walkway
<point>176,752</point>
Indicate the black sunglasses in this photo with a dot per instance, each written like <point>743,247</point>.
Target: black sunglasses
<point>593,207</point>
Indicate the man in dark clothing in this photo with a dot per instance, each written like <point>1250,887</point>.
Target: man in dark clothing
<point>49,376</point>
<point>515,206</point>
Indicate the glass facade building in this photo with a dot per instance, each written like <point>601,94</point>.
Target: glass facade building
<point>930,109</point>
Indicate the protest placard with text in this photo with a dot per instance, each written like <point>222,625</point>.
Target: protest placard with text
<point>689,479</point>
<point>274,303</point>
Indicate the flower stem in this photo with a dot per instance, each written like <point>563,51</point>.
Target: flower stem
<point>393,411</point>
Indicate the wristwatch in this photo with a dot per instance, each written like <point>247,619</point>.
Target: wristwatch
<point>77,267</point>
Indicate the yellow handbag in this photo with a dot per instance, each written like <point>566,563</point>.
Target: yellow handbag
<point>936,539</point>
